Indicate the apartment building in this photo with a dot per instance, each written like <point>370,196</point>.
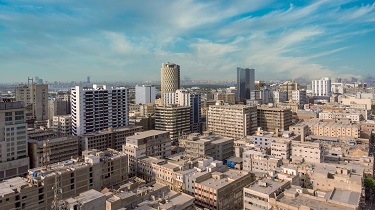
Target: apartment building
<point>299,97</point>
<point>147,143</point>
<point>62,125</point>
<point>332,129</point>
<point>279,96</point>
<point>254,161</point>
<point>95,170</point>
<point>144,94</point>
<point>270,119</point>
<point>174,119</point>
<point>207,145</point>
<point>88,200</point>
<point>14,160</point>
<point>224,190</point>
<point>339,115</point>
<point>258,194</point>
<point>233,121</point>
<point>308,151</point>
<point>57,148</point>
<point>229,98</point>
<point>289,87</point>
<point>35,99</point>
<point>58,106</point>
<point>98,108</point>
<point>280,148</point>
<point>107,138</point>
<point>321,87</point>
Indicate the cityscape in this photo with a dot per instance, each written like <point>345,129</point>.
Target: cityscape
<point>147,124</point>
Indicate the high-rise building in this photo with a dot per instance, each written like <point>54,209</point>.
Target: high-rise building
<point>62,125</point>
<point>299,96</point>
<point>321,87</point>
<point>97,108</point>
<point>288,87</point>
<point>173,118</point>
<point>233,121</point>
<point>14,159</point>
<point>270,119</point>
<point>144,94</point>
<point>170,78</point>
<point>245,83</point>
<point>35,99</point>
<point>58,106</point>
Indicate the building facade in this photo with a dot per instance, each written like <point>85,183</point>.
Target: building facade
<point>97,108</point>
<point>245,83</point>
<point>321,87</point>
<point>62,125</point>
<point>35,99</point>
<point>170,78</point>
<point>270,119</point>
<point>144,94</point>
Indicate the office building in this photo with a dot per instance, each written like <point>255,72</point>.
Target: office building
<point>170,78</point>
<point>58,106</point>
<point>147,143</point>
<point>97,108</point>
<point>233,121</point>
<point>144,94</point>
<point>289,87</point>
<point>245,83</point>
<point>270,119</point>
<point>280,96</point>
<point>14,160</point>
<point>62,125</point>
<point>321,87</point>
<point>174,119</point>
<point>299,97</point>
<point>35,99</point>
<point>112,138</point>
<point>57,148</point>
<point>207,145</point>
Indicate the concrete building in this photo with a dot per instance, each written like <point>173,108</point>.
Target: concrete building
<point>245,83</point>
<point>170,78</point>
<point>224,190</point>
<point>107,138</point>
<point>233,121</point>
<point>289,87</point>
<point>280,96</point>
<point>62,125</point>
<point>144,94</point>
<point>95,170</point>
<point>281,148</point>
<point>35,99</point>
<point>174,119</point>
<point>299,97</point>
<point>88,200</point>
<point>337,88</point>
<point>229,98</point>
<point>254,161</point>
<point>59,149</point>
<point>321,87</point>
<point>147,143</point>
<point>332,129</point>
<point>270,119</point>
<point>258,194</point>
<point>14,160</point>
<point>308,151</point>
<point>58,106</point>
<point>341,115</point>
<point>207,145</point>
<point>97,108</point>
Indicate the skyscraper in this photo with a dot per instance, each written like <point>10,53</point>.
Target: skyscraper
<point>245,83</point>
<point>97,108</point>
<point>144,94</point>
<point>170,78</point>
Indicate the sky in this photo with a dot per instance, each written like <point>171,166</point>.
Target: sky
<point>124,40</point>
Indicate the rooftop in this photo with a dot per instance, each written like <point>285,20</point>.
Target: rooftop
<point>144,134</point>
<point>266,186</point>
<point>228,177</point>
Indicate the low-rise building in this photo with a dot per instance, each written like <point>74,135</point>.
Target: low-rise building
<point>254,161</point>
<point>88,200</point>
<point>308,151</point>
<point>62,125</point>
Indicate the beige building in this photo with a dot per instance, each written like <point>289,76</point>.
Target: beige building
<point>147,143</point>
<point>280,148</point>
<point>58,106</point>
<point>62,125</point>
<point>88,200</point>
<point>14,160</point>
<point>233,121</point>
<point>58,148</point>
<point>270,119</point>
<point>254,161</point>
<point>258,194</point>
<point>208,145</point>
<point>224,190</point>
<point>170,78</point>
<point>226,97</point>
<point>332,129</point>
<point>95,170</point>
<point>289,87</point>
<point>108,138</point>
<point>35,98</point>
<point>308,151</point>
<point>174,119</point>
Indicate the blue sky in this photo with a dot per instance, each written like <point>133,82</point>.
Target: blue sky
<point>128,40</point>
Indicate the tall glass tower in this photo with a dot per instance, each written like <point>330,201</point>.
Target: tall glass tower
<point>245,83</point>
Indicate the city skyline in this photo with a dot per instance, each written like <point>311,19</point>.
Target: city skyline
<point>127,41</point>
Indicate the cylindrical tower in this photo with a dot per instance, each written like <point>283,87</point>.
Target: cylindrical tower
<point>170,78</point>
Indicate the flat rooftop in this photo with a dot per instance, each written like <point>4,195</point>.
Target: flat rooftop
<point>345,196</point>
<point>266,186</point>
<point>229,177</point>
<point>144,134</point>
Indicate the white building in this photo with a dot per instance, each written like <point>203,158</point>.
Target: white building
<point>97,108</point>
<point>144,94</point>
<point>337,88</point>
<point>321,87</point>
<point>299,96</point>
